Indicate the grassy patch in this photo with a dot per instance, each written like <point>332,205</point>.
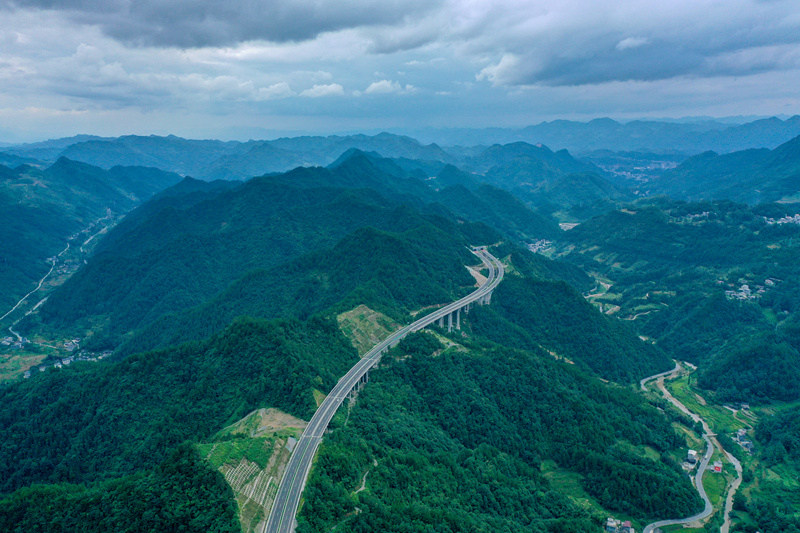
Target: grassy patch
<point>319,396</point>
<point>252,454</point>
<point>258,450</point>
<point>14,364</point>
<point>365,328</point>
<point>571,483</point>
<point>715,484</point>
<point>720,419</point>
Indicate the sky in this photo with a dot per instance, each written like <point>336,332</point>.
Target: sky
<point>259,68</point>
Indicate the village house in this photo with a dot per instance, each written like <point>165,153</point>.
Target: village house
<point>616,526</point>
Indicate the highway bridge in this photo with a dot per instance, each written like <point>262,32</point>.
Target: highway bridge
<point>287,500</point>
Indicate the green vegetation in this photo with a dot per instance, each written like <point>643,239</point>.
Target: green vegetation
<point>220,249</point>
<point>447,443</point>
<point>40,209</point>
<point>394,273</point>
<point>760,369</point>
<point>712,283</point>
<point>365,328</point>
<point>770,502</point>
<point>252,455</point>
<point>179,494</point>
<point>93,422</point>
<point>531,313</point>
<point>751,176</point>
<point>719,419</point>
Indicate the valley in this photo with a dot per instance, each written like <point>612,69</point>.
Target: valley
<point>20,355</point>
<point>205,334</point>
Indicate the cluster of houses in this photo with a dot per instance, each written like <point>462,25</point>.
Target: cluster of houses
<point>539,246</point>
<point>72,345</point>
<point>616,526</point>
<point>688,219</point>
<point>745,292</point>
<point>14,344</point>
<point>795,219</point>
<point>60,362</point>
<point>743,440</point>
<point>691,461</point>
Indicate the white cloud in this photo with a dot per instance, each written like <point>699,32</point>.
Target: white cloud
<point>318,91</point>
<point>502,73</point>
<point>277,90</point>
<point>631,42</point>
<point>389,86</point>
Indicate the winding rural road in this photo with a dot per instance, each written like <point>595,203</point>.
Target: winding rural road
<point>711,443</point>
<point>287,499</point>
<point>698,483</point>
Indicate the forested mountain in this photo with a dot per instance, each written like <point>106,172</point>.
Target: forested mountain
<point>750,176</point>
<point>223,298</point>
<point>577,196</point>
<point>40,209</point>
<point>393,272</point>
<point>173,284</point>
<point>535,174</point>
<point>554,182</point>
<point>183,255</point>
<point>497,208</point>
<point>182,249</point>
<point>440,439</point>
<point>513,163</point>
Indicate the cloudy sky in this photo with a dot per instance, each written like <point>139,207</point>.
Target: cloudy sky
<point>241,68</point>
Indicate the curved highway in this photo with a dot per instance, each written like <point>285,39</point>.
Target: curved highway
<point>287,500</point>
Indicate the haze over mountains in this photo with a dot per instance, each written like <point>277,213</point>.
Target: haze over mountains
<point>227,160</point>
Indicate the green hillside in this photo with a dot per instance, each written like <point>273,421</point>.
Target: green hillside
<point>537,309</point>
<point>552,182</point>
<point>456,439</point>
<point>93,422</point>
<point>708,282</point>
<point>750,176</point>
<point>394,272</point>
<point>210,159</point>
<point>194,241</point>
<point>41,209</point>
<point>181,492</point>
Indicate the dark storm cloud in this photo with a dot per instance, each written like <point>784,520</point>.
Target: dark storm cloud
<point>196,23</point>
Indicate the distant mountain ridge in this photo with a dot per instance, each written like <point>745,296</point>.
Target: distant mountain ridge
<point>638,135</point>
<point>212,159</point>
<point>748,176</point>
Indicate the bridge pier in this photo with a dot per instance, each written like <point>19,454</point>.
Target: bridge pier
<point>363,380</point>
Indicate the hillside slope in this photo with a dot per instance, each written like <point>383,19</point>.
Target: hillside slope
<point>750,176</point>
<point>40,209</point>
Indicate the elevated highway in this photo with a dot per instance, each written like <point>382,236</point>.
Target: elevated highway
<point>287,500</point>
